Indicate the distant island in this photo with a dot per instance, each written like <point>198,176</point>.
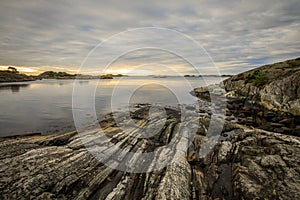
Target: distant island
<point>56,75</point>
<point>212,75</point>
<point>64,75</point>
<point>13,75</point>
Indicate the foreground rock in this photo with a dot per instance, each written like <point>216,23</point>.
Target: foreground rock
<point>249,164</point>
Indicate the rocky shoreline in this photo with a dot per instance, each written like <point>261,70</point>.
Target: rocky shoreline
<point>255,115</point>
<point>271,103</point>
<point>244,164</point>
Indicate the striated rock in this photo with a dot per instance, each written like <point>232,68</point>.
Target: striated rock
<point>244,164</point>
<point>176,182</point>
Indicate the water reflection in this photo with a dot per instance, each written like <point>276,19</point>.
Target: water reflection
<point>83,82</point>
<point>45,106</point>
<point>13,87</point>
<point>155,94</point>
<point>64,82</point>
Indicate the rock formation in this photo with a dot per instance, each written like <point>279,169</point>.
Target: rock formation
<point>267,97</point>
<point>244,164</point>
<point>275,86</point>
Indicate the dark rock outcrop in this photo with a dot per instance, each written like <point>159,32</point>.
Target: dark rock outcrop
<point>267,97</point>
<point>274,86</point>
<point>251,165</point>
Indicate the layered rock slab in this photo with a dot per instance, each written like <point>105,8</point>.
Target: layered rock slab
<point>248,164</point>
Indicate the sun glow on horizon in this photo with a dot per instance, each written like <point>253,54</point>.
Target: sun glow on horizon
<point>134,69</point>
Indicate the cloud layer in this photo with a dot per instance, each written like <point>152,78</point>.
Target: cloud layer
<point>238,35</point>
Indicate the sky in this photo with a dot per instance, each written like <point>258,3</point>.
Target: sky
<point>231,36</point>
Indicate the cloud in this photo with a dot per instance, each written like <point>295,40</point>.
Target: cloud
<point>238,35</point>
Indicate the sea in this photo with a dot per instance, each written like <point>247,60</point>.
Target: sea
<point>46,106</point>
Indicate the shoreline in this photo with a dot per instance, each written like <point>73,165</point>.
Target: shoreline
<point>226,172</point>
<point>89,77</point>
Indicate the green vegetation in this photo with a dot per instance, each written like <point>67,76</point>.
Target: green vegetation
<point>294,63</point>
<point>258,78</point>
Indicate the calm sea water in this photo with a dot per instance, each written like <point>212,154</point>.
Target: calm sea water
<point>45,106</point>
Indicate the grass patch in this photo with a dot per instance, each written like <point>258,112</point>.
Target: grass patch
<point>294,63</point>
<point>258,78</point>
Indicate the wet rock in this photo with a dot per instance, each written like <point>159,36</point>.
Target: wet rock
<point>202,93</point>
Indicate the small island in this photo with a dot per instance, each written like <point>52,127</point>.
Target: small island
<point>64,75</point>
<point>56,75</point>
<point>206,75</point>
<point>13,75</point>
